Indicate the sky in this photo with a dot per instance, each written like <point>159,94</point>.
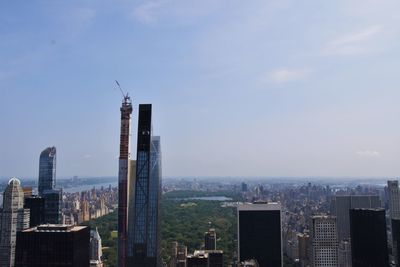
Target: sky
<point>239,88</point>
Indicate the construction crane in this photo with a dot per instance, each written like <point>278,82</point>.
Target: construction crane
<point>125,96</point>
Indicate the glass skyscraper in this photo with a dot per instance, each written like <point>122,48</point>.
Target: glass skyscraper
<point>144,246</point>
<point>47,169</point>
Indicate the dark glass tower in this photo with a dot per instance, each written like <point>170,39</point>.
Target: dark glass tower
<point>53,245</point>
<point>259,233</point>
<point>368,238</point>
<point>396,240</point>
<point>47,169</point>
<point>36,207</point>
<point>144,246</point>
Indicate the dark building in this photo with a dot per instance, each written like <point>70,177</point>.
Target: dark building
<point>206,258</point>
<point>259,233</point>
<point>36,206</point>
<point>368,238</point>
<point>244,187</point>
<point>47,169</point>
<point>210,240</point>
<point>396,240</point>
<point>52,204</point>
<point>143,231</point>
<point>53,245</point>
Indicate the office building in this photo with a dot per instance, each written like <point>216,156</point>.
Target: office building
<point>393,199</point>
<point>210,240</point>
<point>95,249</point>
<point>204,258</point>
<point>182,255</point>
<point>368,238</point>
<point>341,206</point>
<point>344,254</point>
<point>123,175</point>
<point>144,247</point>
<point>259,233</point>
<point>52,203</point>
<point>324,246</point>
<point>36,207</point>
<point>13,218</point>
<point>47,169</point>
<point>53,245</point>
<point>303,246</point>
<point>396,240</point>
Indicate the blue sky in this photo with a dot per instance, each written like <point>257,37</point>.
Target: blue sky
<point>239,88</point>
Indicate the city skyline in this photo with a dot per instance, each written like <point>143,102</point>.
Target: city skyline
<point>271,88</point>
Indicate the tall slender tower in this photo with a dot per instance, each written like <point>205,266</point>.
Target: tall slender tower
<point>47,169</point>
<point>144,237</point>
<point>124,156</point>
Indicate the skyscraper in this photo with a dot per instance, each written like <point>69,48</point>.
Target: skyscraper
<point>13,218</point>
<point>341,206</point>
<point>396,240</point>
<point>144,241</point>
<point>324,240</point>
<point>52,203</point>
<point>259,233</point>
<point>210,240</point>
<point>394,199</point>
<point>36,207</point>
<point>123,174</point>
<point>47,169</point>
<point>368,238</point>
<point>53,245</point>
<point>95,249</point>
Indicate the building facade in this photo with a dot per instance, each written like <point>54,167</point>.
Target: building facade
<point>341,206</point>
<point>210,240</point>
<point>96,252</point>
<point>144,246</point>
<point>259,233</point>
<point>324,247</point>
<point>13,218</point>
<point>36,207</point>
<point>47,169</point>
<point>123,175</point>
<point>53,245</point>
<point>394,199</point>
<point>368,238</point>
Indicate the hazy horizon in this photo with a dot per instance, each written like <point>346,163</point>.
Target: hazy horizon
<point>258,88</point>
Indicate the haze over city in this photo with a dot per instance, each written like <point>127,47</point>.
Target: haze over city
<point>239,88</point>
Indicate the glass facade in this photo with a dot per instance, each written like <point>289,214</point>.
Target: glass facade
<point>144,241</point>
<point>47,169</point>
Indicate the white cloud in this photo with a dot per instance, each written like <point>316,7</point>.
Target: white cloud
<point>355,43</point>
<point>368,154</point>
<point>288,75</point>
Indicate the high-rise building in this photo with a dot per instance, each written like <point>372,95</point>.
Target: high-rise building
<point>368,238</point>
<point>181,257</point>
<point>13,218</point>
<point>396,240</point>
<point>85,211</point>
<point>36,207</point>
<point>394,199</point>
<point>303,241</point>
<point>144,247</point>
<point>53,245</point>
<point>123,175</point>
<point>95,249</point>
<point>210,240</point>
<point>341,206</point>
<point>52,203</point>
<point>259,233</point>
<point>47,169</point>
<point>344,254</point>
<point>324,247</point>
<point>204,258</point>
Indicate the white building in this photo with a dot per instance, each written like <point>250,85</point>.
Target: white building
<point>13,218</point>
<point>324,251</point>
<point>95,249</point>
